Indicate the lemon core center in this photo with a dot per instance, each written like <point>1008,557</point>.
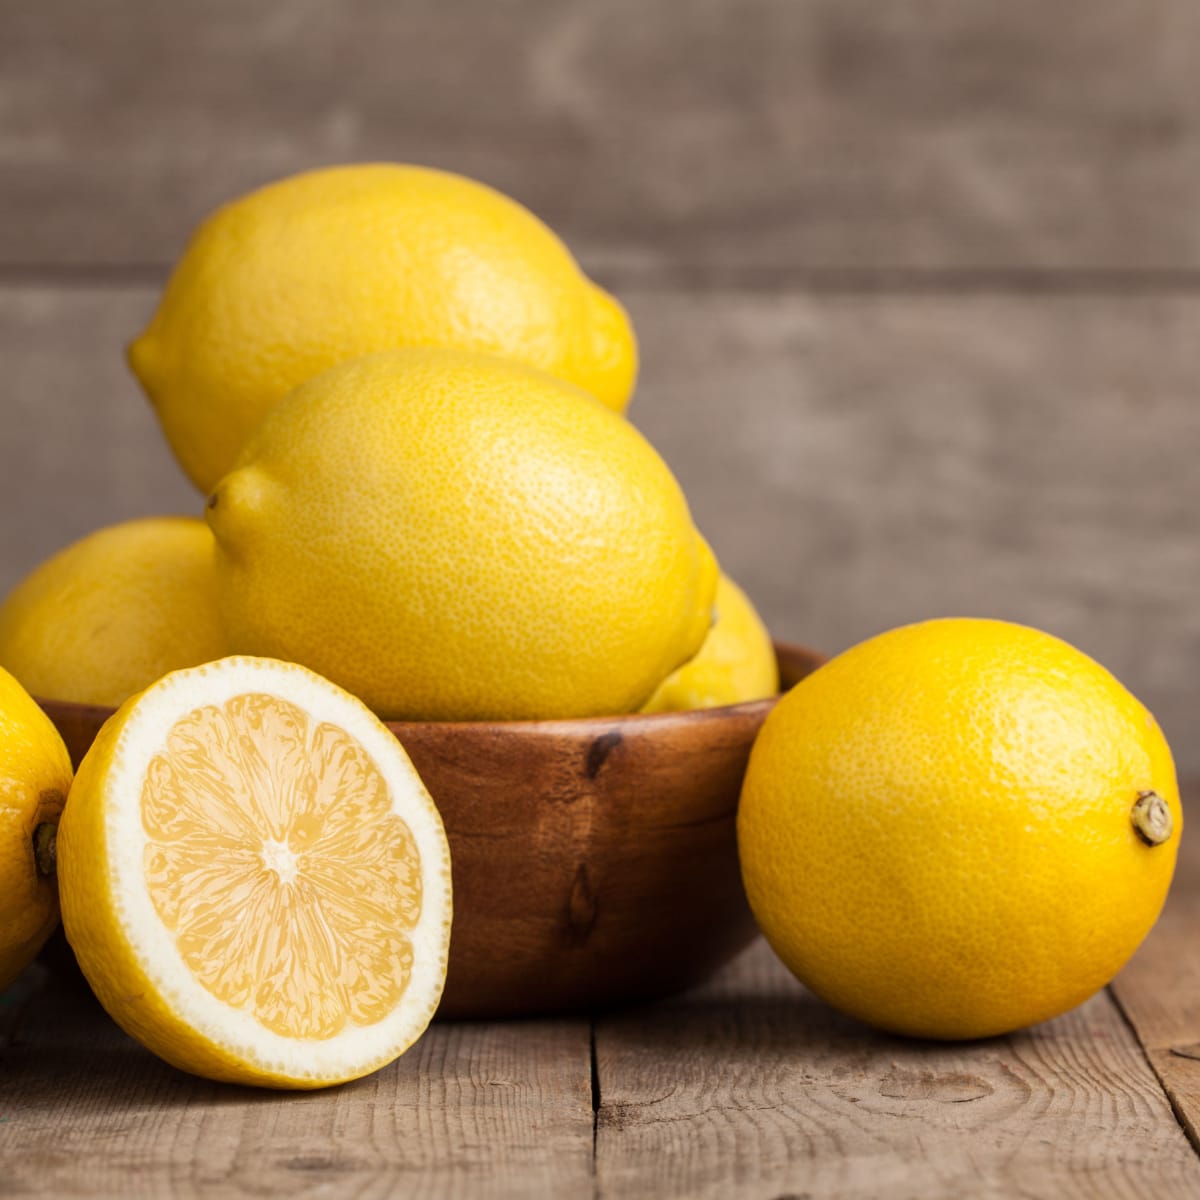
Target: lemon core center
<point>278,857</point>
<point>275,860</point>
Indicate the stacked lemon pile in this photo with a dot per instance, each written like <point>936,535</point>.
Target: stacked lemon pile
<point>402,400</point>
<point>403,403</point>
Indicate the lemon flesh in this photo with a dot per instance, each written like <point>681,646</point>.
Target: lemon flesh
<point>115,611</point>
<point>254,880</point>
<point>452,536</point>
<point>325,266</point>
<point>35,776</point>
<point>939,829</point>
<point>735,664</point>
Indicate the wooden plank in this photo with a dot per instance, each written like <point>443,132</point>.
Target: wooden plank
<point>757,1089</point>
<point>859,462</point>
<point>856,461</point>
<point>1159,991</point>
<point>79,445</point>
<point>485,1110</point>
<point>766,136</point>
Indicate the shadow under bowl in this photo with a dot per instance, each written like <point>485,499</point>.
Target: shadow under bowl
<point>594,861</point>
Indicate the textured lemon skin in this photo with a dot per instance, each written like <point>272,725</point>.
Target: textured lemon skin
<point>111,613</point>
<point>335,263</point>
<point>735,664</point>
<point>95,929</point>
<point>451,536</point>
<point>35,777</point>
<point>935,828</point>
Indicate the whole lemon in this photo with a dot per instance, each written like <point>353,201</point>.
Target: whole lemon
<point>332,264</point>
<point>454,536</point>
<point>958,828</point>
<point>35,777</point>
<point>735,664</point>
<point>107,616</point>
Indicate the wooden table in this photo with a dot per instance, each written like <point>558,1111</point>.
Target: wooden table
<point>747,1087</point>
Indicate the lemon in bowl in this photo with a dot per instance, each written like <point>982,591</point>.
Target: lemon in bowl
<point>325,266</point>
<point>111,613</point>
<point>735,664</point>
<point>453,536</point>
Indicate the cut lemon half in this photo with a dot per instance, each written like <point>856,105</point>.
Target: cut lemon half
<point>254,879</point>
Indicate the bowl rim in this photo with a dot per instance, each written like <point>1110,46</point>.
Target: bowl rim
<point>582,726</point>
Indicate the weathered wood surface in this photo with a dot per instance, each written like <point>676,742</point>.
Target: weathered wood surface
<point>754,1088</point>
<point>473,1110</point>
<point>751,1087</point>
<point>857,461</point>
<point>861,462</point>
<point>1160,990</point>
<point>754,137</point>
<point>747,1087</point>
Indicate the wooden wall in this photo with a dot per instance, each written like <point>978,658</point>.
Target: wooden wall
<point>917,283</point>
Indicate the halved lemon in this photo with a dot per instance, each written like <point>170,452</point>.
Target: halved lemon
<point>254,879</point>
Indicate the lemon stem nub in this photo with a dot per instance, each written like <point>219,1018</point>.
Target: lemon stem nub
<point>1152,819</point>
<point>45,848</point>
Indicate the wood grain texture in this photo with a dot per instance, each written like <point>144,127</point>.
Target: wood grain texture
<point>493,1111</point>
<point>861,462</point>
<point>753,1088</point>
<point>1159,991</point>
<point>856,461</point>
<point>748,1087</point>
<point>79,445</point>
<point>763,136</point>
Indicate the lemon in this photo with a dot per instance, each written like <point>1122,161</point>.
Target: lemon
<point>332,264</point>
<point>254,880</point>
<point>452,536</point>
<point>35,775</point>
<point>735,664</point>
<point>108,615</point>
<point>958,828</point>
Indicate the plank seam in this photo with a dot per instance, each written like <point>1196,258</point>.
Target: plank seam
<point>700,277</point>
<point>884,281</point>
<point>83,275</point>
<point>1176,1109</point>
<point>595,1105</point>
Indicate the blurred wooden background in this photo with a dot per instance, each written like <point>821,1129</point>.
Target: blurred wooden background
<point>917,284</point>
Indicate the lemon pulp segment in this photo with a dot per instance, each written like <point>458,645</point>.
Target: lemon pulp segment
<point>276,863</point>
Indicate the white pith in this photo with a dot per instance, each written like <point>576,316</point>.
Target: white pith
<point>238,1032</point>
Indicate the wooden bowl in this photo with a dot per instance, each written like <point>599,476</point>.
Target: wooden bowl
<point>594,861</point>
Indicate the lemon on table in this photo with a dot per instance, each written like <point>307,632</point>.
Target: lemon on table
<point>736,663</point>
<point>958,828</point>
<point>254,880</point>
<point>452,536</point>
<point>331,264</point>
<point>113,612</point>
<point>35,776</point>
